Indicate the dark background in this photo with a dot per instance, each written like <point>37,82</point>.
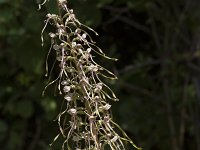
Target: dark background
<point>157,43</point>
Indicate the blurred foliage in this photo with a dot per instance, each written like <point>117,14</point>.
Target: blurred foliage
<point>157,43</point>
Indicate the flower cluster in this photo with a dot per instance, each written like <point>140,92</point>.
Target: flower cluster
<point>79,81</point>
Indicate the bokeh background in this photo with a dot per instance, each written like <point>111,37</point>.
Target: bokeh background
<point>157,43</point>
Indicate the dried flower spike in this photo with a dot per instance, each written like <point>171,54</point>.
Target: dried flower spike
<point>85,97</point>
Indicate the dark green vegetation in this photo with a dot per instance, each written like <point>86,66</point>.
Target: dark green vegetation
<point>157,44</point>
